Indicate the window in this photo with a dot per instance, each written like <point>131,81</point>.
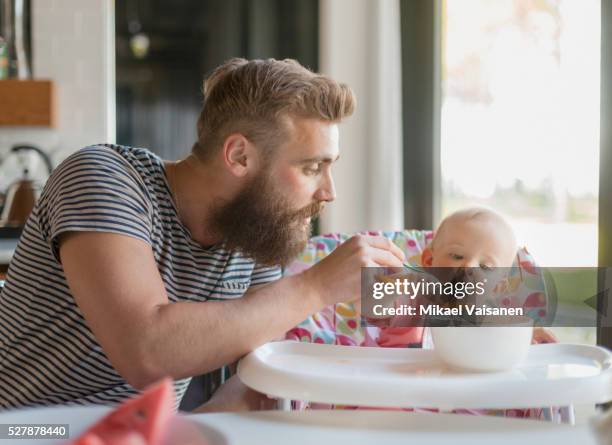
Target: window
<point>520,122</point>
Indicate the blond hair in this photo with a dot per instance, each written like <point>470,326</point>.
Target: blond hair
<point>254,97</point>
<point>472,213</point>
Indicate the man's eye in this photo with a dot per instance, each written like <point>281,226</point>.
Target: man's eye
<point>485,267</point>
<point>312,169</point>
<point>456,256</point>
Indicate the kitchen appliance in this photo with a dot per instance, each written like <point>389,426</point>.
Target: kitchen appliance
<point>22,194</point>
<point>14,23</point>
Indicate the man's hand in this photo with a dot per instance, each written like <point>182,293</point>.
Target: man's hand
<point>337,278</point>
<point>542,335</point>
<point>235,396</point>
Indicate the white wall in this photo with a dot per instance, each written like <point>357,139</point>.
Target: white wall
<point>360,45</point>
<point>73,44</point>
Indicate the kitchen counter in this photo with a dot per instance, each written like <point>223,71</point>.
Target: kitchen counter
<point>7,248</point>
<point>9,236</point>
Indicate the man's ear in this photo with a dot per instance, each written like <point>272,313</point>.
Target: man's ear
<point>239,154</point>
<point>427,257</point>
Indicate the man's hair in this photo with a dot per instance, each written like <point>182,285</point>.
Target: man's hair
<point>255,97</point>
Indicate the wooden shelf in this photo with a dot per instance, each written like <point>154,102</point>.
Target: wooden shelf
<point>27,103</point>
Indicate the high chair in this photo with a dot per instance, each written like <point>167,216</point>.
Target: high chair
<point>341,324</point>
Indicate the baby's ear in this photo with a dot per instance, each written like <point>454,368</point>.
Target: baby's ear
<point>427,257</point>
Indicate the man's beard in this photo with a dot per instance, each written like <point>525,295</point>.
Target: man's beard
<point>261,224</point>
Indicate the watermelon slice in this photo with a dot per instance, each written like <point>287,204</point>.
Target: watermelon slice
<point>113,438</point>
<point>143,420</point>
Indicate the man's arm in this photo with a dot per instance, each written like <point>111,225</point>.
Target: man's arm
<point>116,284</point>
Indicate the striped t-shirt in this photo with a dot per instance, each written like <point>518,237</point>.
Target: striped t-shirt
<point>48,354</point>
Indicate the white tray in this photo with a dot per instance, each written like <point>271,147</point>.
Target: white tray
<point>552,375</point>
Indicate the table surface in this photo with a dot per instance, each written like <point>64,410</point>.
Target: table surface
<point>350,427</point>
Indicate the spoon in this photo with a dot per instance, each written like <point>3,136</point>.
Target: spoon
<point>414,268</point>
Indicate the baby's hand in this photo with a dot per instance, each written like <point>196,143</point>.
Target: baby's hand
<point>542,335</point>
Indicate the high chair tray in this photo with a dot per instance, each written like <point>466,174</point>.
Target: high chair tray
<point>552,375</point>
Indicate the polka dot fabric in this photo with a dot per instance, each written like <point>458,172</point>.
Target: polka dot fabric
<point>341,324</point>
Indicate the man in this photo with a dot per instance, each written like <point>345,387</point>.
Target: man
<point>131,268</point>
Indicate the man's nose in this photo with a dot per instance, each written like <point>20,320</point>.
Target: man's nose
<point>327,190</point>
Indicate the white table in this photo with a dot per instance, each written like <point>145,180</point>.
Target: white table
<point>335,427</point>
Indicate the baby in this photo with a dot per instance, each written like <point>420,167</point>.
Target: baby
<point>476,240</point>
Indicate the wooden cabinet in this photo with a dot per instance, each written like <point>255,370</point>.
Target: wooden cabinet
<point>27,103</point>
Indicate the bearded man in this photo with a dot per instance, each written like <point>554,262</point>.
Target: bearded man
<point>132,268</point>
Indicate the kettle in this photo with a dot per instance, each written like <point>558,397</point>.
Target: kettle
<point>23,193</point>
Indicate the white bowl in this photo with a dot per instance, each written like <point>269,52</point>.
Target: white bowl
<point>482,348</point>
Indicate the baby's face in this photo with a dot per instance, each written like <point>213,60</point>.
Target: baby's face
<point>480,249</point>
<point>476,243</point>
